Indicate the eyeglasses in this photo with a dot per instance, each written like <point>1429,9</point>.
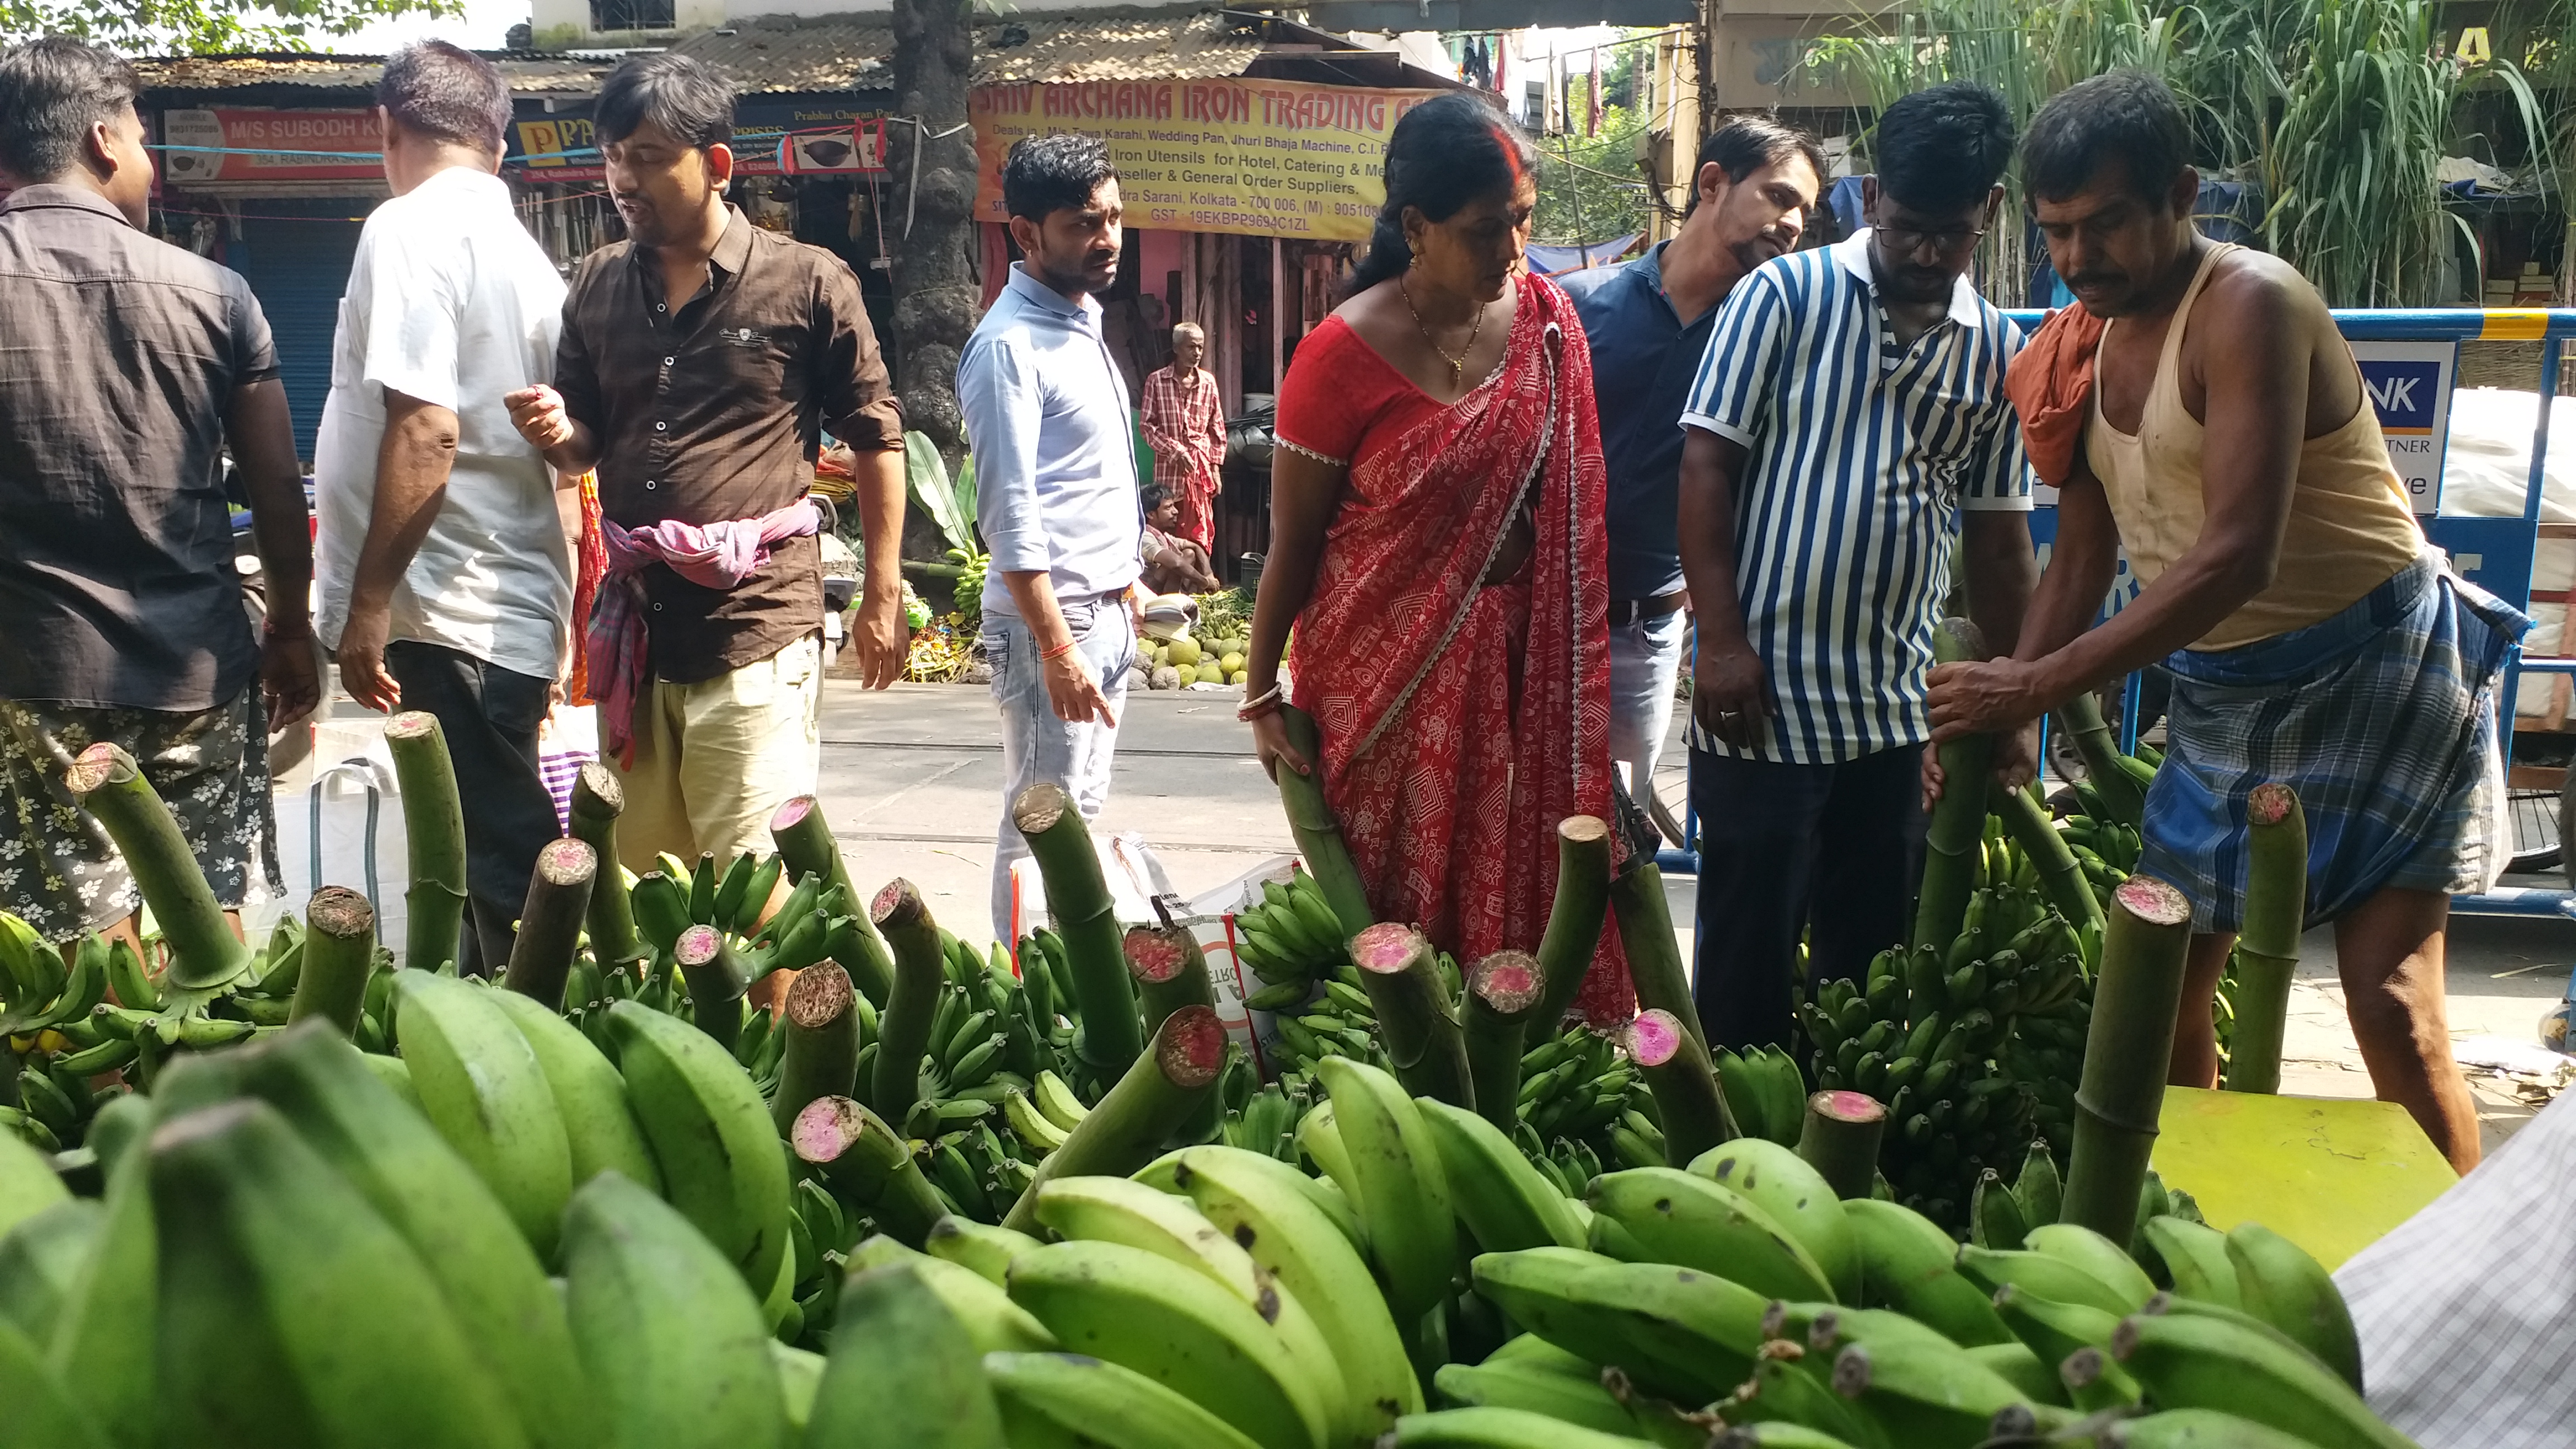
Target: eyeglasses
<point>1948,242</point>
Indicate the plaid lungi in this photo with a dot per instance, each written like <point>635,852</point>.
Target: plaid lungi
<point>2381,718</point>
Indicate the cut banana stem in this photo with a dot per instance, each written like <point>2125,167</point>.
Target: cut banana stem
<point>434,833</point>
<point>598,798</point>
<point>1685,1085</point>
<point>1840,1140</point>
<point>1503,994</point>
<point>1078,898</point>
<point>716,982</point>
<point>920,974</point>
<point>1954,842</point>
<point>2059,873</point>
<point>805,842</point>
<point>1319,835</point>
<point>1423,1041</point>
<point>2122,796</point>
<point>1170,971</point>
<point>868,1163</point>
<point>1128,1128</point>
<point>559,893</point>
<point>2267,943</point>
<point>339,956</point>
<point>1654,953</point>
<point>2127,1051</point>
<point>203,949</point>
<point>821,1055</point>
<point>1574,918</point>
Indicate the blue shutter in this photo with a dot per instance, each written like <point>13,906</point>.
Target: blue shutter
<point>298,266</point>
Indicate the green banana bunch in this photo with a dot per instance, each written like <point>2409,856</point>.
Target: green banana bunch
<point>1290,939</point>
<point>1765,1090</point>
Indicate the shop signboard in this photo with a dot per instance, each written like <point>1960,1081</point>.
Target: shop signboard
<point>768,141</point>
<point>1253,157</point>
<point>243,145</point>
<point>2410,384</point>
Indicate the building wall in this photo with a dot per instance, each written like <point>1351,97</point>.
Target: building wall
<point>737,11</point>
<point>1755,46</point>
<point>565,24</point>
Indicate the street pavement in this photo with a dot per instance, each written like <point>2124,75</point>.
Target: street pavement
<point>912,784</point>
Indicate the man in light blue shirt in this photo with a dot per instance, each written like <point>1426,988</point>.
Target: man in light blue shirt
<point>1055,488</point>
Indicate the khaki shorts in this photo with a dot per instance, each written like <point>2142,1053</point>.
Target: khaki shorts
<point>715,759</point>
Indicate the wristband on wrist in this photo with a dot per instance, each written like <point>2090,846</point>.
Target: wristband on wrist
<point>1268,702</point>
<point>1049,656</point>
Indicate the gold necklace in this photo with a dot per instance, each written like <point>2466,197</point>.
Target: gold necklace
<point>1457,364</point>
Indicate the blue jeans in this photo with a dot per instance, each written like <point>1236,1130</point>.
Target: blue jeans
<point>1645,665</point>
<point>1037,747</point>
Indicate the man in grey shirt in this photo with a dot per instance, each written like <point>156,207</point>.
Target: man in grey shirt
<point>1055,488</point>
<point>126,366</point>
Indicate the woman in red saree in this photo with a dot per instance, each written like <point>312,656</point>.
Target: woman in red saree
<point>1437,541</point>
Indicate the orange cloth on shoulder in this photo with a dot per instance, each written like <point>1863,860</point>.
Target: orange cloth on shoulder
<point>2050,382</point>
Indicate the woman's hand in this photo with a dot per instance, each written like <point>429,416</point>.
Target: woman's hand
<point>1270,746</point>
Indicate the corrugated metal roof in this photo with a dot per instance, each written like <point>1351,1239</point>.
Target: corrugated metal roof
<point>834,53</point>
<point>527,73</point>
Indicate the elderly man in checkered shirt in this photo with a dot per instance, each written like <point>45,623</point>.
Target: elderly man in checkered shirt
<point>1185,423</point>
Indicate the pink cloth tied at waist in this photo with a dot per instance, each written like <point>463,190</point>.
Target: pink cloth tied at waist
<point>711,555</point>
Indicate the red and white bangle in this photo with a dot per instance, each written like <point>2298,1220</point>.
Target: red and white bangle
<point>1268,702</point>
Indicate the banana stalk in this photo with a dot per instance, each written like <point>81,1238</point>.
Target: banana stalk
<point>559,897</point>
<point>1415,1021</point>
<point>718,980</point>
<point>339,956</point>
<point>2059,875</point>
<point>821,1057</point>
<point>2267,942</point>
<point>1170,972</point>
<point>2122,796</point>
<point>1840,1140</point>
<point>204,951</point>
<point>1678,1072</point>
<point>1078,899</point>
<point>805,842</point>
<point>1654,954</point>
<point>2126,1054</point>
<point>1319,835</point>
<point>1954,843</point>
<point>434,832</point>
<point>868,1163</point>
<point>1574,918</point>
<point>1129,1127</point>
<point>1503,994</point>
<point>597,800</point>
<point>920,972</point>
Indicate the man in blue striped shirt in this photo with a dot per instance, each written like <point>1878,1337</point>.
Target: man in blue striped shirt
<point>1850,410</point>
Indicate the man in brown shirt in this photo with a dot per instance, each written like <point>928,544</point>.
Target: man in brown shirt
<point>127,365</point>
<point>702,416</point>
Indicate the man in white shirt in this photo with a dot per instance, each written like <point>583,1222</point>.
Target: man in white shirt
<point>446,580</point>
<point>1055,487</point>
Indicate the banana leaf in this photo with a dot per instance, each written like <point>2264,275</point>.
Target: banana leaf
<point>925,476</point>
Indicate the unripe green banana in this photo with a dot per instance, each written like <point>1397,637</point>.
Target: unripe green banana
<point>902,1373</point>
<point>1068,1401</point>
<point>41,1260</point>
<point>1502,1200</point>
<point>1578,1401</point>
<point>28,1182</point>
<point>1677,1217</point>
<point>1117,1210</point>
<point>2195,1257</point>
<point>2016,1365</point>
<point>1397,1183</point>
<point>668,1330</point>
<point>1907,1263</point>
<point>1781,1392</point>
<point>482,1087</point>
<point>1177,1326</point>
<point>981,1247</point>
<point>711,1134</point>
<point>2280,1284</point>
<point>1496,1428</point>
<point>599,1127</point>
<point>289,1313</point>
<point>1057,1101</point>
<point>2098,1256</point>
<point>41,1411</point>
<point>1924,1396</point>
<point>983,1308</point>
<point>2202,1362</point>
<point>1797,1197</point>
<point>2195,1429</point>
<point>2039,1273</point>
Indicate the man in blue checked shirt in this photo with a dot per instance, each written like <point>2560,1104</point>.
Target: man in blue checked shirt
<point>1848,427</point>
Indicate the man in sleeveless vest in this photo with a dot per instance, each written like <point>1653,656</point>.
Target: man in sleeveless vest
<point>2316,640</point>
